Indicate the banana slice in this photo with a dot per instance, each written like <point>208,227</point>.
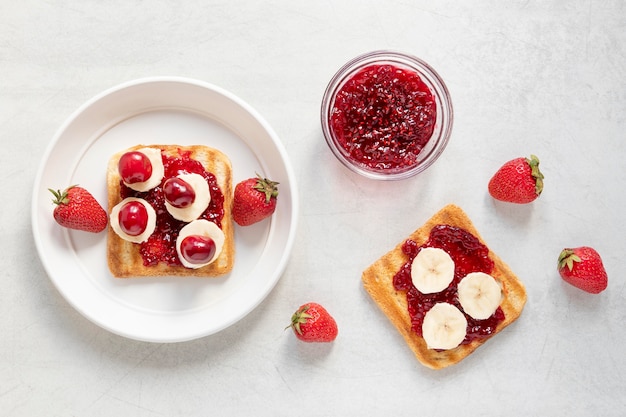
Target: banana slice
<point>444,327</point>
<point>479,295</point>
<point>432,270</point>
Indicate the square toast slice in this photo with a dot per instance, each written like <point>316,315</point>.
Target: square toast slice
<point>378,282</point>
<point>124,259</point>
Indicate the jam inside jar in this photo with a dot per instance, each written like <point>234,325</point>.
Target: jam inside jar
<point>469,255</point>
<point>383,116</point>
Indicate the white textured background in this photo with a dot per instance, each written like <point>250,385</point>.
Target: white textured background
<point>542,77</point>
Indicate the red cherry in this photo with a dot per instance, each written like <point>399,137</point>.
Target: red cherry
<point>134,167</point>
<point>178,192</point>
<point>133,218</point>
<point>197,249</point>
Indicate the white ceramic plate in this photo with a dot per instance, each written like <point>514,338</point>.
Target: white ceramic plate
<point>162,110</point>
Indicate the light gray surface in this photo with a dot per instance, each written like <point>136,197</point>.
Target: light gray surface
<point>525,76</point>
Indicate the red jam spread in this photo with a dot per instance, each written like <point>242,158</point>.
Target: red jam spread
<point>161,246</point>
<point>383,116</point>
<point>469,255</point>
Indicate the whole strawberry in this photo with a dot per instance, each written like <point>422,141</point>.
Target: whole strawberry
<point>254,199</point>
<point>582,267</point>
<point>312,323</point>
<point>77,209</point>
<point>517,181</point>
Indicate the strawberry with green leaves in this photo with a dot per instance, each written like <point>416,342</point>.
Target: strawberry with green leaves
<point>312,323</point>
<point>254,199</point>
<point>582,267</point>
<point>77,209</point>
<point>518,181</point>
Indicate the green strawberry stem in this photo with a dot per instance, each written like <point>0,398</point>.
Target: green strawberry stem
<point>533,161</point>
<point>60,197</point>
<point>567,257</point>
<point>298,318</point>
<point>267,187</point>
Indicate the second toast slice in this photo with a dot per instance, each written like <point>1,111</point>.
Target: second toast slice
<point>378,280</point>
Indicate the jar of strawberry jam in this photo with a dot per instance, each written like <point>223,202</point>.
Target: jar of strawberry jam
<point>387,115</point>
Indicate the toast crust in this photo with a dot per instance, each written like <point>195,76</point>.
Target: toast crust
<point>124,259</point>
<point>378,282</point>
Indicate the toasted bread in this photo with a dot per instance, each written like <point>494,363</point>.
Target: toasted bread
<point>378,282</point>
<point>124,258</point>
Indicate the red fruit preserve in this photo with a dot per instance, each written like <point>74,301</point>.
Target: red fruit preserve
<point>161,245</point>
<point>469,255</point>
<point>383,116</point>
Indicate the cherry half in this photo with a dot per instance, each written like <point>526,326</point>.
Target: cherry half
<point>134,167</point>
<point>133,218</point>
<point>197,249</point>
<point>178,192</point>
